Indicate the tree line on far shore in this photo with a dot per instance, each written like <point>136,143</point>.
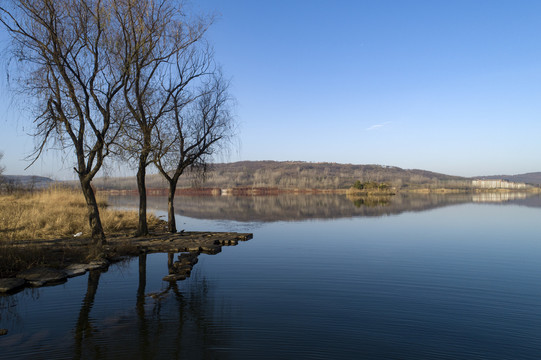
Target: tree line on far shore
<point>131,80</point>
<point>297,175</point>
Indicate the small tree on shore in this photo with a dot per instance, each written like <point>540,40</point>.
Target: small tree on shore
<point>2,168</point>
<point>164,54</point>
<point>191,134</point>
<point>71,75</point>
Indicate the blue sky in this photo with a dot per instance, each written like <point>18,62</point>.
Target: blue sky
<point>448,86</point>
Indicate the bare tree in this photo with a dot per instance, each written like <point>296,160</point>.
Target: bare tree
<point>192,133</point>
<point>2,169</point>
<point>162,62</point>
<point>71,74</point>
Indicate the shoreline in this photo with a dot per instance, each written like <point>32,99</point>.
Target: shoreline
<point>116,249</point>
<point>263,191</point>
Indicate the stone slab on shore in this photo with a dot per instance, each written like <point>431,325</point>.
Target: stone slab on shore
<point>117,248</point>
<point>11,284</point>
<point>40,276</point>
<point>157,242</point>
<point>206,242</point>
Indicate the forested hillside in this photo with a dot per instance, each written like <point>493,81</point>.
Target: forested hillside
<point>12,182</point>
<point>296,175</point>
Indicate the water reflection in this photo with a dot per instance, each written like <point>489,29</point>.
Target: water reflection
<point>369,201</point>
<point>497,197</point>
<point>83,329</point>
<point>458,283</point>
<point>175,322</point>
<point>308,207</point>
<point>179,320</point>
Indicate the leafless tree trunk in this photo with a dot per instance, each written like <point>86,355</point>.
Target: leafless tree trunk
<point>142,227</point>
<point>159,54</point>
<point>2,168</point>
<point>70,71</point>
<point>192,134</point>
<point>171,222</point>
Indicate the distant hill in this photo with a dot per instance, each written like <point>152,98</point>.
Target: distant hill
<point>27,181</point>
<point>533,178</point>
<point>295,175</point>
<point>290,175</point>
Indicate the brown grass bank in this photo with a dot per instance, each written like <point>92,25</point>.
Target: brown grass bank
<point>56,213</point>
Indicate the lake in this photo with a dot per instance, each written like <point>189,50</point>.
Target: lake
<point>325,277</point>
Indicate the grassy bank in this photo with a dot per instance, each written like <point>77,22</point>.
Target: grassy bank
<point>57,213</point>
<point>54,214</point>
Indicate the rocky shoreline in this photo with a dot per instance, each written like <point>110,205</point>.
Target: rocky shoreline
<point>191,244</point>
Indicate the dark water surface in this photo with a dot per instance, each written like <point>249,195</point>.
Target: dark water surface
<point>334,279</point>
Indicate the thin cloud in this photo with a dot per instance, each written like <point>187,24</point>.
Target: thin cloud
<point>377,126</point>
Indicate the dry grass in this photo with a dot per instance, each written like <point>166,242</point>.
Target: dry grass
<point>58,213</point>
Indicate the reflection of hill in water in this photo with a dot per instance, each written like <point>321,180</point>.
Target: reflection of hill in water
<point>305,207</point>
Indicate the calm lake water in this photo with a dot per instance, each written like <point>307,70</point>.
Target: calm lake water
<point>325,277</point>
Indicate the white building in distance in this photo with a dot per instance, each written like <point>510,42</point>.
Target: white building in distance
<point>498,184</point>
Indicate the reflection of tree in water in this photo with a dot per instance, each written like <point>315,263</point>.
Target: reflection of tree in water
<point>9,308</point>
<point>177,322</point>
<point>83,330</point>
<point>370,201</point>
